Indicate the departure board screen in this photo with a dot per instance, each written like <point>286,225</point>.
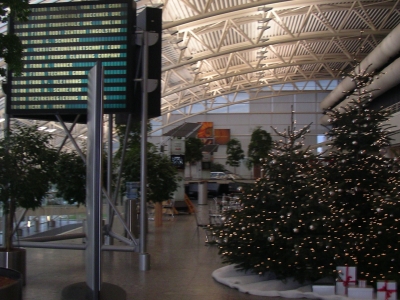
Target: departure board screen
<point>62,43</point>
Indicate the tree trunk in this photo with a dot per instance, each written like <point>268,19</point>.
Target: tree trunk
<point>257,171</point>
<point>9,229</point>
<point>190,170</point>
<point>158,211</point>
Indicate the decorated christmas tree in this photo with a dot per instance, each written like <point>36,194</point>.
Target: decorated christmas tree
<point>280,226</point>
<point>363,186</point>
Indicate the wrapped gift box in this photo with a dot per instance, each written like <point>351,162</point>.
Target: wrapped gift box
<point>347,277</point>
<point>347,274</point>
<point>341,289</point>
<point>386,290</point>
<point>324,289</point>
<point>356,292</point>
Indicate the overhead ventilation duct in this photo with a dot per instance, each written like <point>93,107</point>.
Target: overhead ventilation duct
<point>386,51</point>
<point>390,78</point>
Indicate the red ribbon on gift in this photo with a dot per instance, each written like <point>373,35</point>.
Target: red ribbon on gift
<point>386,290</point>
<point>347,279</point>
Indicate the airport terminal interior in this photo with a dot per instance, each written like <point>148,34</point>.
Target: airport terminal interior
<point>181,264</point>
<point>228,67</point>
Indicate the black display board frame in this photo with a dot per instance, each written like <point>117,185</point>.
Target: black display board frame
<point>63,42</point>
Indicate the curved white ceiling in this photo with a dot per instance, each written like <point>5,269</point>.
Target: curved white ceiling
<point>235,45</point>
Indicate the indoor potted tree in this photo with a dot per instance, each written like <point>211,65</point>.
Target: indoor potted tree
<point>193,152</point>
<point>234,153</point>
<point>11,48</point>
<point>162,178</point>
<point>27,166</point>
<point>259,147</point>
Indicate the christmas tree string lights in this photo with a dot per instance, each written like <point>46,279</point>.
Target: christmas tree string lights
<point>281,224</point>
<point>309,214</point>
<point>363,186</point>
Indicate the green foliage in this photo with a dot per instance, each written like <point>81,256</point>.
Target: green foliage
<point>234,153</point>
<point>18,9</point>
<point>259,147</point>
<point>11,48</point>
<point>217,167</point>
<point>363,188</point>
<point>133,139</point>
<point>70,178</point>
<point>29,165</point>
<point>161,174</point>
<point>280,226</point>
<point>26,170</point>
<point>163,177</point>
<point>308,215</point>
<point>26,167</point>
<point>193,152</point>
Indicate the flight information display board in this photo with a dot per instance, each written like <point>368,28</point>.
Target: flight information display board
<point>62,43</point>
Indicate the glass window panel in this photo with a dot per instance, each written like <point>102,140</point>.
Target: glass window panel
<point>157,133</point>
<point>333,84</point>
<point>320,139</point>
<point>277,87</point>
<point>324,84</point>
<point>311,86</point>
<point>197,108</point>
<point>240,96</point>
<point>239,108</point>
<point>267,89</point>
<point>178,112</point>
<point>288,87</point>
<point>154,124</point>
<point>300,85</point>
<point>222,110</point>
<point>221,99</point>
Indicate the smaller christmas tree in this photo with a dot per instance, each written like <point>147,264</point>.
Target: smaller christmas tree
<point>280,226</point>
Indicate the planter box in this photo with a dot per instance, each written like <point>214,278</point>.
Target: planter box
<point>12,291</point>
<point>15,260</point>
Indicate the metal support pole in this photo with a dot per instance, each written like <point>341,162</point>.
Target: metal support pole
<point>68,133</point>
<point>5,216</point>
<point>4,226</point>
<point>123,239</point>
<point>144,258</point>
<point>70,130</point>
<point>119,216</point>
<point>43,245</point>
<point>59,237</point>
<point>7,123</point>
<point>93,181</point>
<point>119,175</point>
<point>52,245</point>
<point>110,212</point>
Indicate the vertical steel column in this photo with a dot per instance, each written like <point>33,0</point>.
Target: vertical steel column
<point>93,181</point>
<point>144,258</point>
<point>110,213</point>
<point>3,226</point>
<point>5,216</point>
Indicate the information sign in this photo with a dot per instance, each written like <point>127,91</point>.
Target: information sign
<point>63,41</point>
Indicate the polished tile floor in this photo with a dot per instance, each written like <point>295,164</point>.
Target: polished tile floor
<point>181,264</point>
